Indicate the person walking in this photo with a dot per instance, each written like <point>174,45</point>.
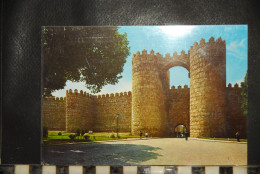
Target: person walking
<point>146,134</point>
<point>186,136</point>
<point>141,135</point>
<point>237,136</point>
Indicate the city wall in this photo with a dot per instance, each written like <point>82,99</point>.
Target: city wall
<point>208,108</point>
<point>98,113</point>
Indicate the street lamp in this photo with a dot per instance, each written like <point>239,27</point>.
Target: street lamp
<point>117,116</point>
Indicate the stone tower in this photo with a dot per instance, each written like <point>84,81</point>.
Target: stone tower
<point>148,99</point>
<point>207,89</point>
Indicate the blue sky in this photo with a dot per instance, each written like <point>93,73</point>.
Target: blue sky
<point>167,39</point>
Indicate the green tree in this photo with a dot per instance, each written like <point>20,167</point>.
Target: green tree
<point>94,55</point>
<point>244,94</point>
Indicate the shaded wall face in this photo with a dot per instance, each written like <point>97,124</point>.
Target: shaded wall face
<point>107,109</point>
<point>179,109</point>
<point>53,114</point>
<point>236,120</point>
<point>207,89</point>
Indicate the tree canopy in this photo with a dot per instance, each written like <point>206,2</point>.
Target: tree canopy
<point>244,94</point>
<point>94,55</point>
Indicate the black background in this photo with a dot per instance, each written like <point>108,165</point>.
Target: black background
<point>21,55</point>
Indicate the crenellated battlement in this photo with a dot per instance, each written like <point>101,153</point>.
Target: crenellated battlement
<point>100,96</point>
<point>81,93</point>
<point>219,43</point>
<point>185,87</point>
<point>53,98</point>
<point>113,95</point>
<point>233,87</point>
<point>175,55</point>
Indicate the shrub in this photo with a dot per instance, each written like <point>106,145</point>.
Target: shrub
<point>72,136</point>
<point>45,132</point>
<point>77,132</point>
<point>82,132</point>
<point>112,136</point>
<point>87,137</point>
<point>59,133</point>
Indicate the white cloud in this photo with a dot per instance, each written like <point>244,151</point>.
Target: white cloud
<point>238,49</point>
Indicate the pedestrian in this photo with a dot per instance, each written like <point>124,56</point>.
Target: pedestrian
<point>141,135</point>
<point>237,136</point>
<point>146,134</point>
<point>186,136</point>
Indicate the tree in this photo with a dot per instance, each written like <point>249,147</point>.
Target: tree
<point>244,94</point>
<point>94,55</point>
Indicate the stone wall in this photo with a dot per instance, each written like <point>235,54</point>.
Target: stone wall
<point>179,108</point>
<point>53,113</point>
<point>236,120</point>
<point>108,106</point>
<point>80,111</point>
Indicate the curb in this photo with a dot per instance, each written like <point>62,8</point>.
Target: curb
<point>220,141</point>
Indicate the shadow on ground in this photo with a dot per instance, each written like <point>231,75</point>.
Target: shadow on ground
<point>98,154</point>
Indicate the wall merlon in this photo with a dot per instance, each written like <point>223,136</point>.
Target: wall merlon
<point>211,41</point>
<point>81,92</point>
<point>202,41</point>
<point>144,52</point>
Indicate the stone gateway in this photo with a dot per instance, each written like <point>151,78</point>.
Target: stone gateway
<point>207,109</point>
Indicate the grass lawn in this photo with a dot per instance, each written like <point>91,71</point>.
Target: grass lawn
<point>96,136</point>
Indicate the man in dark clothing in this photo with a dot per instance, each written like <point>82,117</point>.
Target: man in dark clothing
<point>186,135</point>
<point>237,136</point>
<point>141,135</point>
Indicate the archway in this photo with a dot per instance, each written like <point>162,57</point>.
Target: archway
<point>180,130</point>
<point>179,76</point>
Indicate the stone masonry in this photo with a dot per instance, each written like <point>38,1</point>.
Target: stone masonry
<point>207,109</point>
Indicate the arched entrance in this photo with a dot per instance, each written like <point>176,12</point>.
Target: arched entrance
<point>180,130</point>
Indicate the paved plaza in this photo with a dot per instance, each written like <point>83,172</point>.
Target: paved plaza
<point>156,151</point>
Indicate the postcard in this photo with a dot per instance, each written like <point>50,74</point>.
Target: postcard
<point>144,95</point>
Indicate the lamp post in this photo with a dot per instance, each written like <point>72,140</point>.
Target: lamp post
<point>117,116</point>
